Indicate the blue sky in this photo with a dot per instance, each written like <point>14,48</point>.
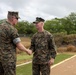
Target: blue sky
<point>30,9</point>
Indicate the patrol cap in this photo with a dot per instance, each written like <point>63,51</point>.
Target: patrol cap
<point>13,13</point>
<point>38,19</point>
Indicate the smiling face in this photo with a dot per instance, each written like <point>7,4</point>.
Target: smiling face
<point>39,25</point>
<point>13,17</point>
<point>14,20</point>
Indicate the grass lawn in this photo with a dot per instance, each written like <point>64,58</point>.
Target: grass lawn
<point>62,57</point>
<point>23,57</point>
<point>27,69</point>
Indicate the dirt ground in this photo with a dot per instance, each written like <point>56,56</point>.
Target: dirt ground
<point>66,68</point>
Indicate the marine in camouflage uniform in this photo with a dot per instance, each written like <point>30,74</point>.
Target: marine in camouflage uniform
<point>8,39</point>
<point>43,46</point>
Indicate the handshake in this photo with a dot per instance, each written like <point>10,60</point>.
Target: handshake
<point>28,51</point>
<point>21,47</point>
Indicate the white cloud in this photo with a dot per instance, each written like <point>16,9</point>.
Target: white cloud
<point>30,9</point>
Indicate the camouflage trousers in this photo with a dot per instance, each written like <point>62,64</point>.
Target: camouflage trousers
<point>7,68</point>
<point>40,69</point>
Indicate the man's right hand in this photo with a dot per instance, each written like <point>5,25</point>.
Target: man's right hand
<point>21,47</point>
<point>28,51</point>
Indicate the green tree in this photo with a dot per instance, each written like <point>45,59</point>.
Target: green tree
<point>54,25</point>
<point>69,23</point>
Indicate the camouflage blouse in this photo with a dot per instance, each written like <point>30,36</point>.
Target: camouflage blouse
<point>43,46</point>
<point>7,47</point>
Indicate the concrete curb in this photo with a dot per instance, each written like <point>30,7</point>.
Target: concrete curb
<point>23,64</point>
<point>63,61</point>
<point>52,66</point>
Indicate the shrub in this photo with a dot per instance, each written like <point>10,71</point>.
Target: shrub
<point>71,48</point>
<point>62,49</point>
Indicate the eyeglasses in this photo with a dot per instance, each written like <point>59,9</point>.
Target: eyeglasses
<point>36,22</point>
<point>15,18</point>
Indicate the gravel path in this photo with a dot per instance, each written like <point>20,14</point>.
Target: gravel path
<point>67,67</point>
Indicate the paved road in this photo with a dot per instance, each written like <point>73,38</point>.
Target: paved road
<point>66,68</point>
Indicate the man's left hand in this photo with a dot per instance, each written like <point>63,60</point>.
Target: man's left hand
<point>51,62</point>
